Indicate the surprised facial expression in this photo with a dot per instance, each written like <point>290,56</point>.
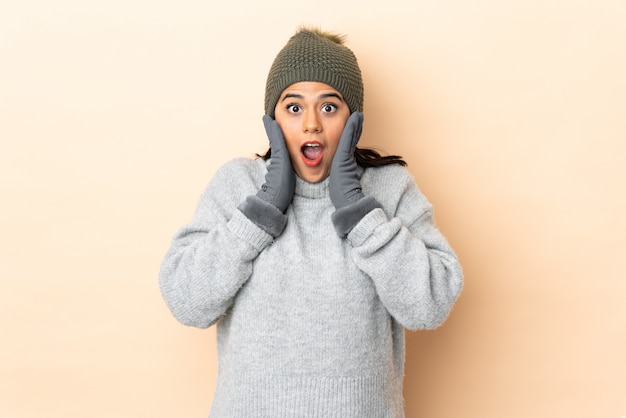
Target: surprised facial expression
<point>312,116</point>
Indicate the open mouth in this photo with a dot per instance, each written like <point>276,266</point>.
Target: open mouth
<point>312,153</point>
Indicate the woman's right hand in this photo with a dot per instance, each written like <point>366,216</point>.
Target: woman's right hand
<point>280,180</point>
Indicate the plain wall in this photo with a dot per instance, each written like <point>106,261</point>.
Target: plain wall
<point>511,115</point>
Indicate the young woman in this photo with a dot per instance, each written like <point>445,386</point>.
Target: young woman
<point>312,260</point>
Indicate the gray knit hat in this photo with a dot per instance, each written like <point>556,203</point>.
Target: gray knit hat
<point>312,55</point>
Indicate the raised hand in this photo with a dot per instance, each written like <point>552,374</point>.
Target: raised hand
<point>267,208</point>
<point>345,186</point>
<point>280,180</point>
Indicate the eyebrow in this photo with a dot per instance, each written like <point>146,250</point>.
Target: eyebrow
<point>321,96</point>
<point>327,95</point>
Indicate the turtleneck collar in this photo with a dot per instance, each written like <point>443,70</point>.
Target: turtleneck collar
<point>312,190</point>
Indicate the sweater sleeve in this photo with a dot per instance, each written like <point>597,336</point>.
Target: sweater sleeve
<point>211,258</point>
<point>415,271</point>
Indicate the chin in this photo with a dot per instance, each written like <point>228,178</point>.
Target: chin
<point>313,177</point>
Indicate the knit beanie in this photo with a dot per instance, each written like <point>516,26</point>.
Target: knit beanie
<point>312,55</point>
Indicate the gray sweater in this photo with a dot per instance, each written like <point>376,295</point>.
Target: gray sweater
<point>310,324</point>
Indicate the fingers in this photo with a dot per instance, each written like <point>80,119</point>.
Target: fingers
<point>272,129</point>
<point>276,139</point>
<point>352,132</point>
<point>280,178</point>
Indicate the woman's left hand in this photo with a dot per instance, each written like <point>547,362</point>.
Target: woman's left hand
<point>345,186</point>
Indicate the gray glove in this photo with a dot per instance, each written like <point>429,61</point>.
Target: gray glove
<point>345,183</point>
<point>280,180</point>
<point>267,207</point>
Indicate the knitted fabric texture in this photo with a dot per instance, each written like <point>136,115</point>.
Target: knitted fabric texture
<point>310,324</point>
<point>312,57</point>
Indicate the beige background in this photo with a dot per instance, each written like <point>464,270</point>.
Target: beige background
<point>512,116</point>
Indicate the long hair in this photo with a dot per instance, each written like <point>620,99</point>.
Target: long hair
<point>365,157</point>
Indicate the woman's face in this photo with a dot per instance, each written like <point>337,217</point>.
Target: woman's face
<point>311,116</point>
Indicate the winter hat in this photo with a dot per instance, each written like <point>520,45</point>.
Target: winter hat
<point>313,55</point>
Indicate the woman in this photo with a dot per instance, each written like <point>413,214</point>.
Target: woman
<point>313,259</point>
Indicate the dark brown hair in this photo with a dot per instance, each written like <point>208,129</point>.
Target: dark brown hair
<point>365,157</point>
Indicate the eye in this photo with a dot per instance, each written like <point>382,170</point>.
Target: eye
<point>329,108</point>
<point>294,108</point>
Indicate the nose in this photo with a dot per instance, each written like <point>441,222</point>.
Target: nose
<point>311,122</point>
